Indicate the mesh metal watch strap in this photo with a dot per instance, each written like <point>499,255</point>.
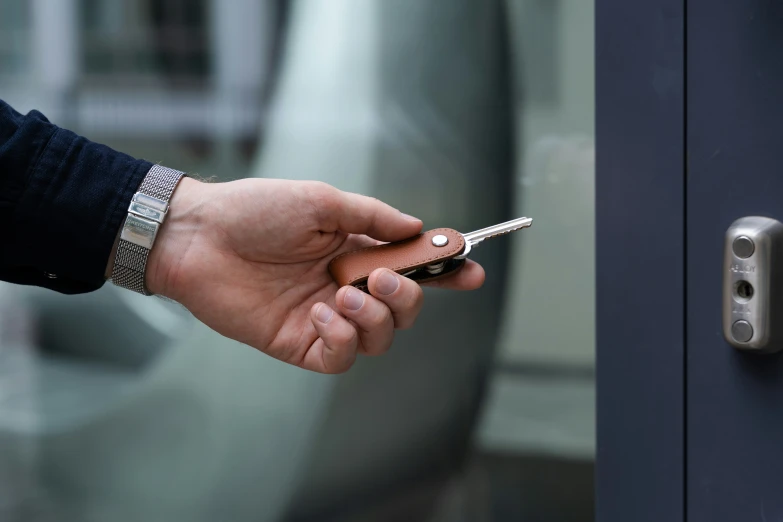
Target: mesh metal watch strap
<point>160,182</point>
<point>130,264</point>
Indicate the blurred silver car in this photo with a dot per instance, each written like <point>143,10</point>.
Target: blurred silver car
<point>127,409</point>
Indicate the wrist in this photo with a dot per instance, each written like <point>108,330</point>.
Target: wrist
<point>175,239</point>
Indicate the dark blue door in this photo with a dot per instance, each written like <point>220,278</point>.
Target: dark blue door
<point>734,400</point>
<point>640,245</point>
<point>690,138</point>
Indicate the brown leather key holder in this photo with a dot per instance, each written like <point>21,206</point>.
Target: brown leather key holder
<point>425,257</point>
<point>429,256</point>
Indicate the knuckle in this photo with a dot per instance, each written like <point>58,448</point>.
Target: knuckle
<point>418,297</point>
<point>388,344</point>
<point>346,337</point>
<point>413,297</point>
<point>409,311</point>
<point>322,192</point>
<point>385,316</point>
<point>379,317</point>
<point>322,197</point>
<point>380,349</point>
<point>342,366</point>
<point>406,322</point>
<point>379,344</point>
<point>315,187</point>
<point>374,201</point>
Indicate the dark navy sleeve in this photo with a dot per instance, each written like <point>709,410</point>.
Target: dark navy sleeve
<point>62,201</point>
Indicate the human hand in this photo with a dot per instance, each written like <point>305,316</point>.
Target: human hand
<point>249,259</point>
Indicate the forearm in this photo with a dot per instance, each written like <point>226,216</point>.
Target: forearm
<point>62,202</point>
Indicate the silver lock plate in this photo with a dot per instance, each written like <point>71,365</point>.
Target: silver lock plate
<point>753,284</point>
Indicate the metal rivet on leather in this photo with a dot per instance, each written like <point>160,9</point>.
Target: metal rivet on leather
<point>440,240</point>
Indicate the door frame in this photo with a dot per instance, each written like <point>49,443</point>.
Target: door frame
<point>640,260</point>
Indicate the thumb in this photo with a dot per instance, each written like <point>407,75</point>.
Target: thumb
<point>356,214</point>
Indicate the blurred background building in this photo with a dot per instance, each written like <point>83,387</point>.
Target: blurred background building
<point>462,112</point>
<point>194,73</point>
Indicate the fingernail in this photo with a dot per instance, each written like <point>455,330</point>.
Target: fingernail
<point>323,313</point>
<point>387,283</point>
<point>409,218</point>
<point>354,299</point>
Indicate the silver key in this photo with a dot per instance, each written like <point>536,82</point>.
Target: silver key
<point>472,239</point>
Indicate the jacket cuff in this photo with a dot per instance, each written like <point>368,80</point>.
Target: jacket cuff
<point>71,209</point>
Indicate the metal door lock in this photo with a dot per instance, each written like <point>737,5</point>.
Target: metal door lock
<point>753,284</point>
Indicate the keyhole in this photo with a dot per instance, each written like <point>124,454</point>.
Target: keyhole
<point>744,290</point>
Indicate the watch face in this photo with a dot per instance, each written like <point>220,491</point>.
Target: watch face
<point>139,231</point>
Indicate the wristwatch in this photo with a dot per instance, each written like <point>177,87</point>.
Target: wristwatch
<point>146,214</point>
